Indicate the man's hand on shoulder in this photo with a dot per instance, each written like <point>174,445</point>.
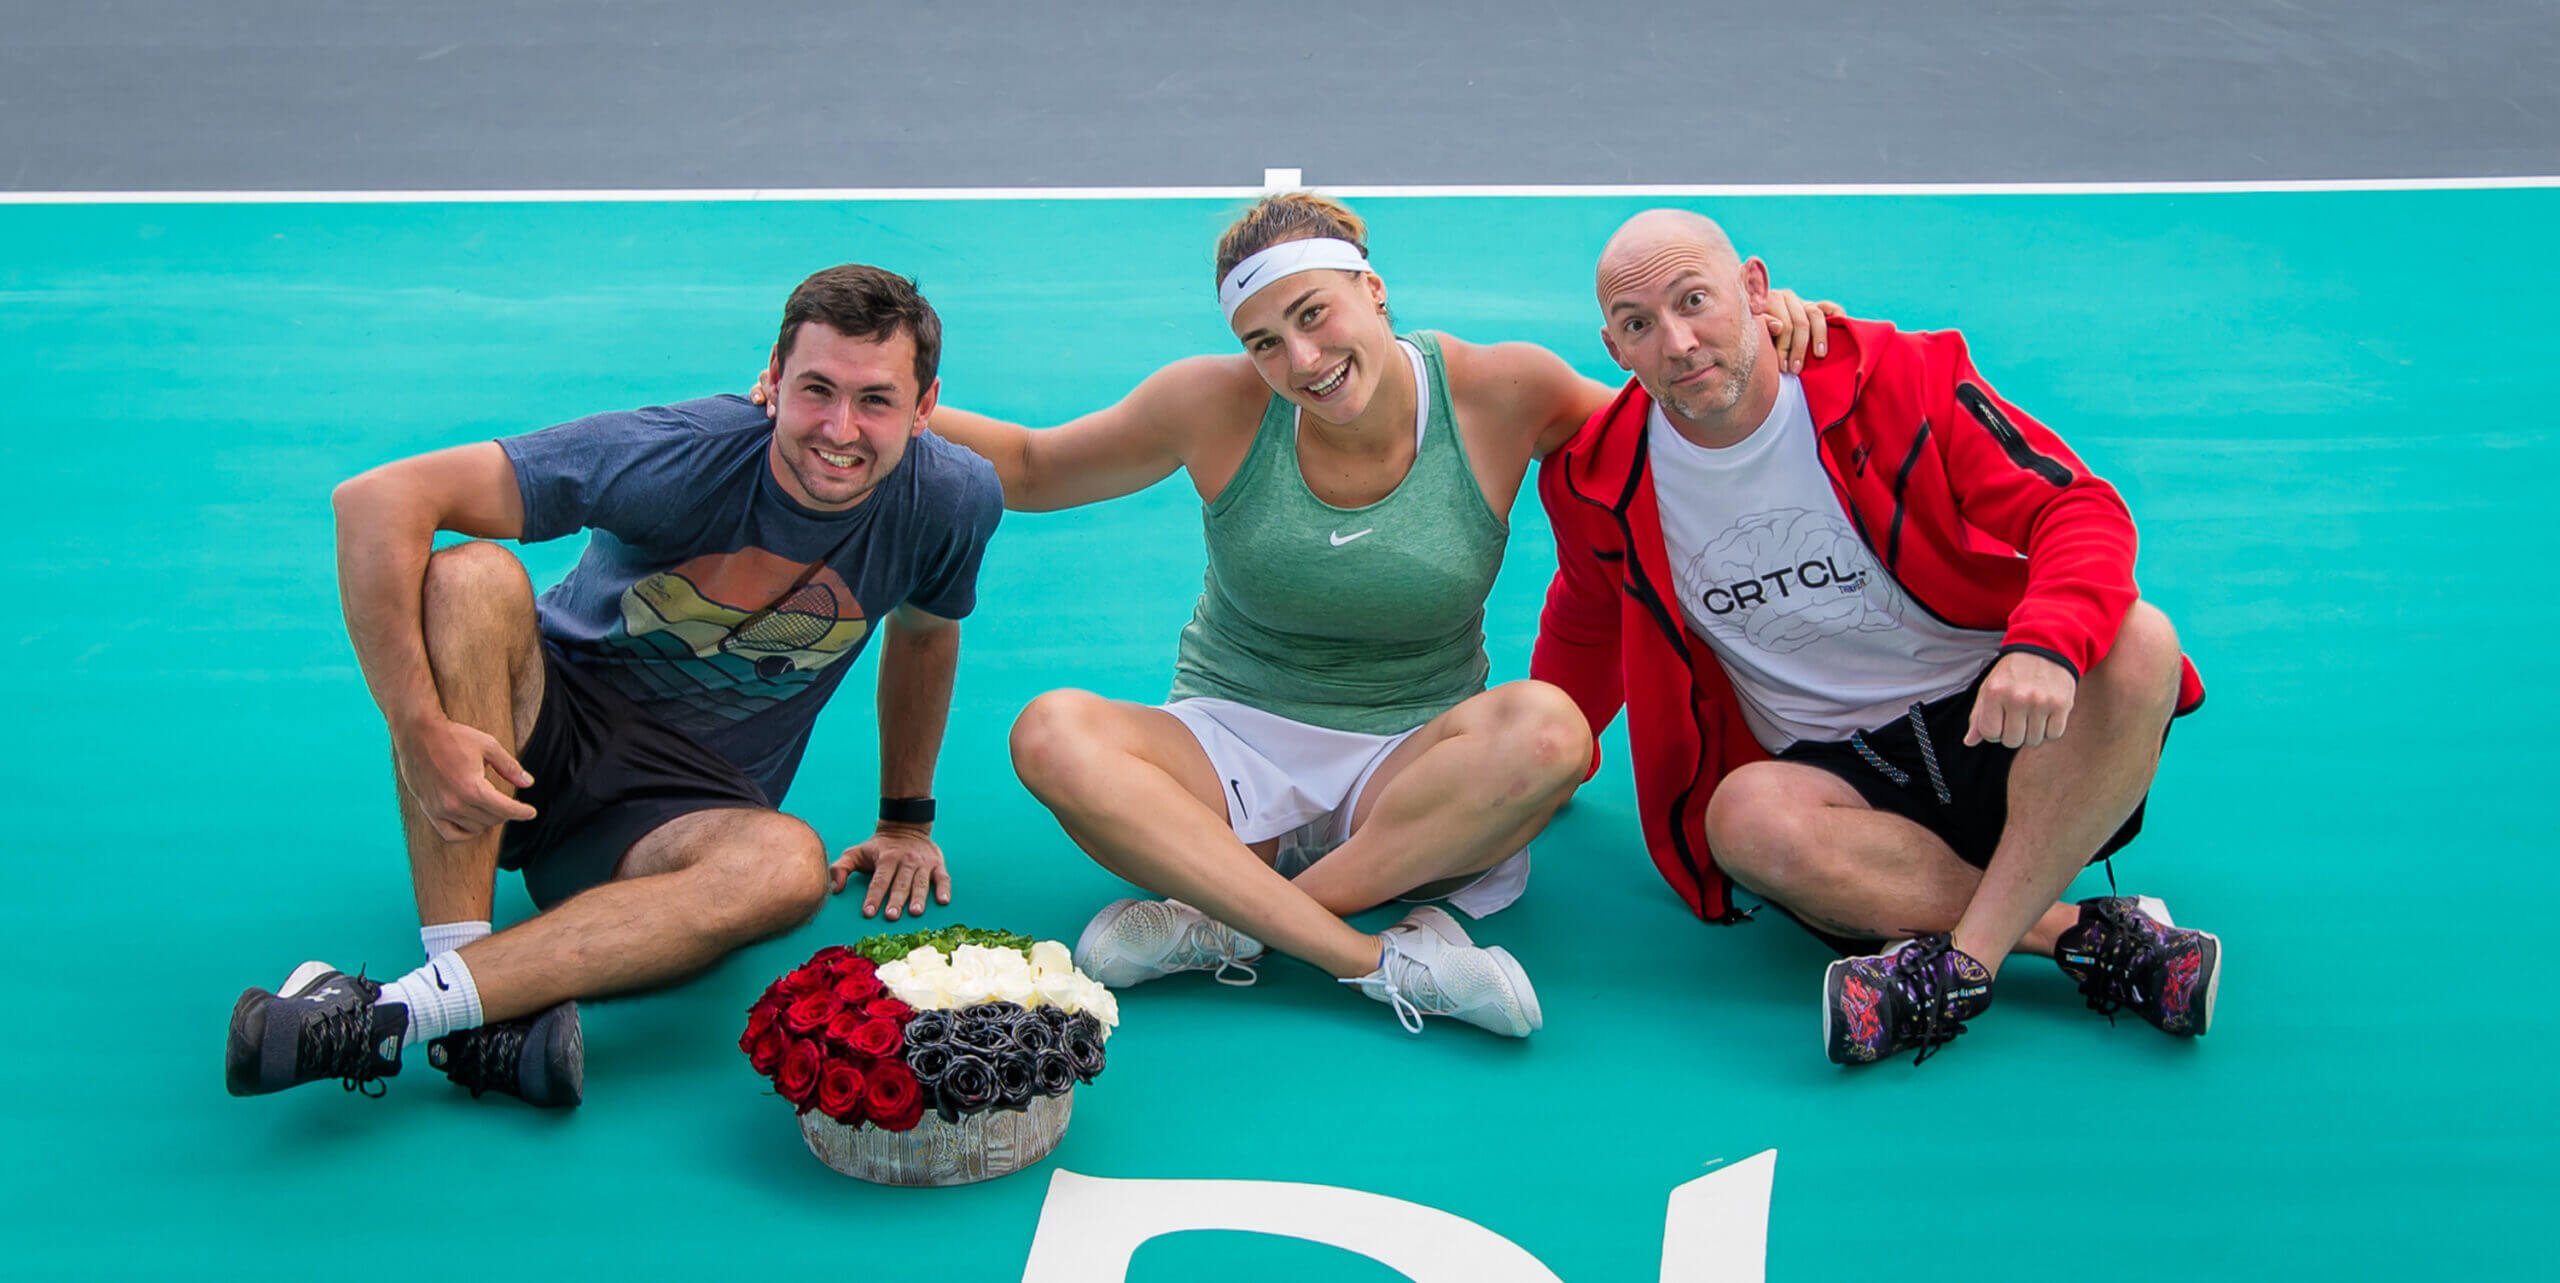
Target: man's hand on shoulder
<point>446,767</point>
<point>2024,702</point>
<point>902,863</point>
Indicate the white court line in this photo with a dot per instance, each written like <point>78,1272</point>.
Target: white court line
<point>1276,179</point>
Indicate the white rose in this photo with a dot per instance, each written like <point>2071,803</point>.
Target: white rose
<point>1051,958</point>
<point>967,977</point>
<point>906,985</point>
<point>1104,1005</point>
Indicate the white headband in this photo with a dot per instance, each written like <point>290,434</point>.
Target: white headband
<point>1288,258</point>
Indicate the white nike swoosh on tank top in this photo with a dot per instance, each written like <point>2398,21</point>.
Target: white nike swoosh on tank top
<point>1340,538</point>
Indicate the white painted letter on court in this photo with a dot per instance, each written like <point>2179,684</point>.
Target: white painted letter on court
<point>1717,1227</point>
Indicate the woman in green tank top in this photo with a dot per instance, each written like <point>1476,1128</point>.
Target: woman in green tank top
<point>1354,488</point>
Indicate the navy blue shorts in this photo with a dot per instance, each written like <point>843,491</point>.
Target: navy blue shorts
<point>605,774</point>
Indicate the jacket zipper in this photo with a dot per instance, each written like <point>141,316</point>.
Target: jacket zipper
<point>1641,588</point>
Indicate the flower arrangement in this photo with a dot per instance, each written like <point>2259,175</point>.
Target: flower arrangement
<point>956,1020</point>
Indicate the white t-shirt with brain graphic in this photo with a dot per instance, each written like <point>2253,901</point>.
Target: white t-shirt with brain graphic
<point>1818,640</point>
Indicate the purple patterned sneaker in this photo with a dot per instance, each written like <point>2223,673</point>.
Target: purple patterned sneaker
<point>1918,995</point>
<point>2126,953</point>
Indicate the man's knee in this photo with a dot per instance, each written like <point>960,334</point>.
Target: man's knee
<point>772,876</point>
<point>472,587</point>
<point>1760,826</point>
<point>1055,738</point>
<point>2144,665</point>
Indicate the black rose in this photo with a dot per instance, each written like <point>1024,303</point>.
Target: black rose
<point>1053,1072</point>
<point>968,1085</point>
<point>1086,1053</point>
<point>929,1026</point>
<point>1083,1022</point>
<point>1034,1034</point>
<point>982,1035</point>
<point>1017,1075</point>
<point>929,1061</point>
<point>1054,1017</point>
<point>997,1011</point>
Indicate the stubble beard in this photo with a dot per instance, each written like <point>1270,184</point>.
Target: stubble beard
<point>1721,400</point>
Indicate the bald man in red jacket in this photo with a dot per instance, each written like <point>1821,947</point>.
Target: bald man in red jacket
<point>1878,640</point>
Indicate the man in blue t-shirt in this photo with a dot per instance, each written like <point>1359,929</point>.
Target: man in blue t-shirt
<point>625,739</point>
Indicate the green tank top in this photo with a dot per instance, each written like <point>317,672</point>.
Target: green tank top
<point>1366,619</point>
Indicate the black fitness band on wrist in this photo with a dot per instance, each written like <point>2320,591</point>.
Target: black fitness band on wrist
<point>906,810</point>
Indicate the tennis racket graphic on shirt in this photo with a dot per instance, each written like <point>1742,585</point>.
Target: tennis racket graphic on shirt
<point>799,622</point>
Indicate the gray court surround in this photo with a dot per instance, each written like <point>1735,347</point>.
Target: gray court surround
<point>175,95</point>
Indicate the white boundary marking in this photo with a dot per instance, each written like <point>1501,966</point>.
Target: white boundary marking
<point>1276,179</point>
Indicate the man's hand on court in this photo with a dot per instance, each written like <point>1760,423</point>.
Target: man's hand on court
<point>446,767</point>
<point>903,864</point>
<point>2023,703</point>
<point>1798,328</point>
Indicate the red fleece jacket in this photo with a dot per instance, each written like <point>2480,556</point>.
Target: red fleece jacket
<point>1981,513</point>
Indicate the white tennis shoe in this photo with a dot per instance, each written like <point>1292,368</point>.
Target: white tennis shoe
<point>1134,941</point>
<point>1429,967</point>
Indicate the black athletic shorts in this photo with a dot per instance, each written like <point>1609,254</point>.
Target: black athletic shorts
<point>605,774</point>
<point>1975,809</point>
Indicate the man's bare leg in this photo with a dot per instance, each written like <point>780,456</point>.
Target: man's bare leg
<point>691,892</point>
<point>2067,796</point>
<point>1465,793</point>
<point>1803,837</point>
<point>486,652</point>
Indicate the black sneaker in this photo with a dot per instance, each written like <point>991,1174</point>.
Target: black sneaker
<point>495,1058</point>
<point>325,1024</point>
<point>1918,995</point>
<point>2125,953</point>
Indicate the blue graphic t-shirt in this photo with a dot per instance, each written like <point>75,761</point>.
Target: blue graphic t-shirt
<point>701,596</point>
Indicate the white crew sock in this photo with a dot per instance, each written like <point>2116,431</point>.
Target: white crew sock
<point>440,997</point>
<point>445,937</point>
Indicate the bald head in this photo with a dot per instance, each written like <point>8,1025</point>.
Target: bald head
<point>1645,238</point>
<point>1680,310</point>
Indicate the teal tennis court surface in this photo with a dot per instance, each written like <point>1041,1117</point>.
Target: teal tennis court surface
<point>2329,412</point>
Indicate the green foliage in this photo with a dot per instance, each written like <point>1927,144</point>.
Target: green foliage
<point>890,948</point>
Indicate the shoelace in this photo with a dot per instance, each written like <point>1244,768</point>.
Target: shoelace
<point>1918,979</point>
<point>1928,758</point>
<point>2110,986</point>
<point>1219,943</point>
<point>340,1043</point>
<point>485,1059</point>
<point>1389,953</point>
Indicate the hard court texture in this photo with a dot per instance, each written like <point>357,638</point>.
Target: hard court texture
<point>2328,411</point>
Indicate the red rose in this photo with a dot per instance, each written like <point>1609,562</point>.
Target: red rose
<point>892,1097</point>
<point>798,1081</point>
<point>840,1093</point>
<point>889,1008</point>
<point>830,955</point>
<point>759,1018</point>
<point>840,1030</point>
<point>766,1054</point>
<point>810,1014</point>
<point>857,989</point>
<point>879,1038</point>
<point>802,983</point>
